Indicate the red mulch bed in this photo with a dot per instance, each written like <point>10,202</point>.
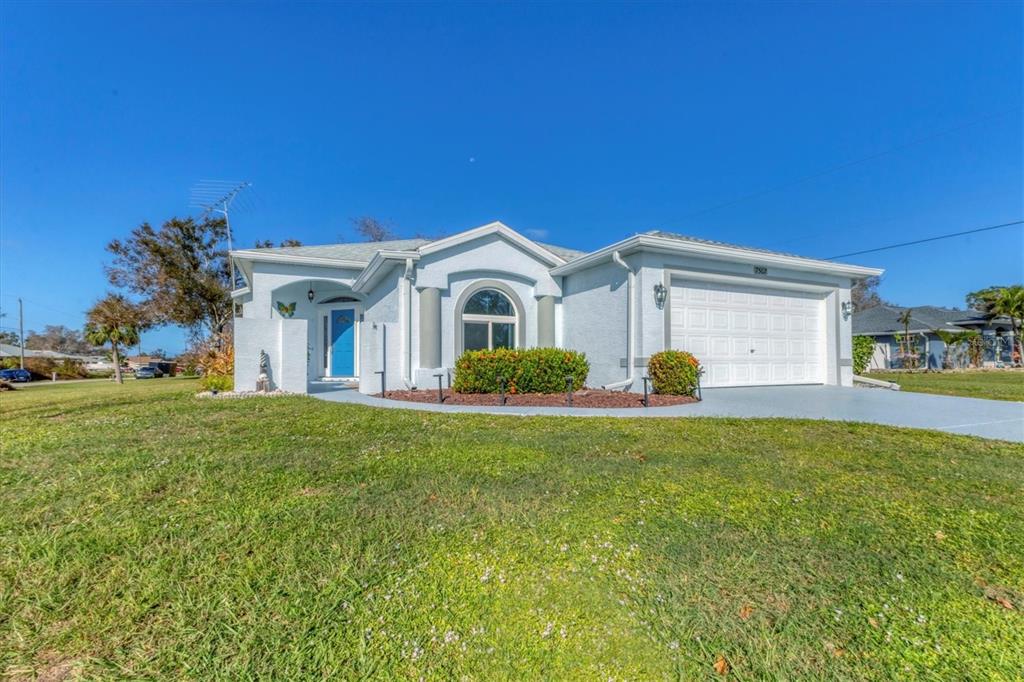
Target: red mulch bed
<point>588,397</point>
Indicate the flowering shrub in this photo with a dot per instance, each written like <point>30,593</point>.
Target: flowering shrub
<point>674,372</point>
<point>531,370</point>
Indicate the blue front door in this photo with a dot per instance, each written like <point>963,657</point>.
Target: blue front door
<point>343,343</point>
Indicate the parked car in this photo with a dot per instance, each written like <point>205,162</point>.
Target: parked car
<point>18,375</point>
<point>148,373</point>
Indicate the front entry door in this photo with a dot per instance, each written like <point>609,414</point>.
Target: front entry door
<point>343,343</point>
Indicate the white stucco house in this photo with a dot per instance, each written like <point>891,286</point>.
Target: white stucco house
<point>408,308</point>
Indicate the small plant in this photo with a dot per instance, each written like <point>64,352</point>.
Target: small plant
<point>674,372</point>
<point>215,383</point>
<point>863,349</point>
<point>531,370</point>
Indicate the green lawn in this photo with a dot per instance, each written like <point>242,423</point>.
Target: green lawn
<point>148,534</point>
<point>994,385</point>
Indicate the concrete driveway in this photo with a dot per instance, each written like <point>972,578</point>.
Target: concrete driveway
<point>971,416</point>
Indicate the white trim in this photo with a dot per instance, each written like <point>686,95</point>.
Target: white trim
<point>670,245</point>
<point>749,281</point>
<point>239,293</point>
<point>262,256</point>
<point>500,229</point>
<point>380,260</point>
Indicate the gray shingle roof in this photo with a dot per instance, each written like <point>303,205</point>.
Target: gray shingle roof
<point>363,252</point>
<point>355,251</point>
<point>884,319</point>
<point>712,242</point>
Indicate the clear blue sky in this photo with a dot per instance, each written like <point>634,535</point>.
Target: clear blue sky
<point>582,123</point>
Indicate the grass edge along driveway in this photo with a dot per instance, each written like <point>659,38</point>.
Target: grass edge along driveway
<point>150,534</point>
<point>988,384</point>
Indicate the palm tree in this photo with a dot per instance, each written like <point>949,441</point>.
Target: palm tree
<point>950,340</point>
<point>117,321</point>
<point>905,319</point>
<point>1008,302</point>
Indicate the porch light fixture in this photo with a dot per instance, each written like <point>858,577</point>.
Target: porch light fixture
<point>660,295</point>
<point>310,294</point>
<point>847,309</point>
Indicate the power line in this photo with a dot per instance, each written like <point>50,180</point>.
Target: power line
<point>928,239</point>
<point>848,164</point>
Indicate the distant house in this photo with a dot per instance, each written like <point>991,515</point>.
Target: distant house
<point>11,351</point>
<point>166,366</point>
<point>882,323</point>
<point>137,361</point>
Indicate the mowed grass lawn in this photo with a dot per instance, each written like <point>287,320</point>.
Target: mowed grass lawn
<point>148,534</point>
<point>994,385</point>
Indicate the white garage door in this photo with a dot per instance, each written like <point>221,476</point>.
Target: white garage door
<point>745,336</point>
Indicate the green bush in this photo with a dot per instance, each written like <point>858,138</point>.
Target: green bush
<point>217,382</point>
<point>674,372</point>
<point>531,370</point>
<point>863,349</point>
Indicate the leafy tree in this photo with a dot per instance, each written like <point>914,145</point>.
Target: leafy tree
<point>59,338</point>
<point>116,321</point>
<point>373,230</point>
<point>1003,302</point>
<point>10,338</point>
<point>864,293</point>
<point>977,300</point>
<point>180,270</point>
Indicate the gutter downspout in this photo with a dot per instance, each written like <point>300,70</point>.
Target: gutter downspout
<point>630,324</point>
<point>407,278</point>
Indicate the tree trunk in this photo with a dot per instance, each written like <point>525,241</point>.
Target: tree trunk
<point>117,364</point>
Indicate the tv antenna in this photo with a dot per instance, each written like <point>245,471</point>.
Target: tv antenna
<point>216,196</point>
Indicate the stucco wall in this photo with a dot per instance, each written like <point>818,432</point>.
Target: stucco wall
<point>284,341</point>
<point>594,309</point>
<point>380,321</point>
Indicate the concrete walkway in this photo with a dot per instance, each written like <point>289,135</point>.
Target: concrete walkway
<point>971,416</point>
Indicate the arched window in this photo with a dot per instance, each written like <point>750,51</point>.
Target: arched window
<point>489,321</point>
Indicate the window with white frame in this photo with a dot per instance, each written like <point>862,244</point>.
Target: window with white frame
<point>489,321</point>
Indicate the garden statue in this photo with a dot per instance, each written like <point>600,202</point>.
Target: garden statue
<point>263,379</point>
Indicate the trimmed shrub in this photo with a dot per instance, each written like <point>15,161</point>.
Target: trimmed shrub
<point>863,349</point>
<point>674,372</point>
<point>530,370</point>
<point>217,382</point>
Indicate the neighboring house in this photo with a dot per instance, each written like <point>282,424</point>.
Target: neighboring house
<point>136,362</point>
<point>883,324</point>
<point>11,351</point>
<point>408,308</point>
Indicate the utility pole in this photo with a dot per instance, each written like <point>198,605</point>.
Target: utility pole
<point>21,332</point>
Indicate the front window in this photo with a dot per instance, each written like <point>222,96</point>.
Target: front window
<point>489,321</point>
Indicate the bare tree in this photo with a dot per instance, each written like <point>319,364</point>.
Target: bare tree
<point>373,230</point>
<point>269,244</point>
<point>864,293</point>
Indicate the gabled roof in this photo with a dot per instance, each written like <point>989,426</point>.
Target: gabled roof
<point>371,257</point>
<point>884,320</point>
<point>713,242</point>
<point>670,242</point>
<point>354,252</point>
<point>360,254</point>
